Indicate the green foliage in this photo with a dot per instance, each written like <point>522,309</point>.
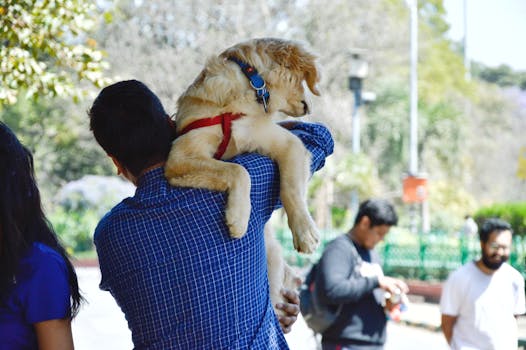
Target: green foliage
<point>514,213</point>
<point>75,228</point>
<point>340,217</point>
<point>449,203</point>
<point>347,173</point>
<point>356,171</point>
<point>502,75</point>
<point>387,131</point>
<point>61,142</point>
<point>79,206</point>
<point>521,168</point>
<point>45,50</point>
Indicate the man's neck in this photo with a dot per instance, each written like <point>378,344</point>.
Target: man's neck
<point>156,165</point>
<point>353,237</point>
<point>135,180</point>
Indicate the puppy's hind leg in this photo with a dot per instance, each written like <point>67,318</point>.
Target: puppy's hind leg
<point>275,267</point>
<point>280,274</point>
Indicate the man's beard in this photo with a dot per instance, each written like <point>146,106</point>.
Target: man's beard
<point>491,264</point>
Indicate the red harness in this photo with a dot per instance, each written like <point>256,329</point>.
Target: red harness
<point>225,120</point>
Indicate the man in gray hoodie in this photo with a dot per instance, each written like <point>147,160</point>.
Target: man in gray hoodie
<point>350,274</point>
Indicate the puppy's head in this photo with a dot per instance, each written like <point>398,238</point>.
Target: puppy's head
<point>284,65</point>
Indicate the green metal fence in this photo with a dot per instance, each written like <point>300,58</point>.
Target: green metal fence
<point>425,257</point>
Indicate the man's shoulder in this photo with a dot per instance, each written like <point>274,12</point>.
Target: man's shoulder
<point>512,272</point>
<point>340,246</point>
<point>462,272</point>
<point>339,241</point>
<point>108,220</point>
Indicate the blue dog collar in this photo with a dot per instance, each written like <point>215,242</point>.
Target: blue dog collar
<point>256,81</point>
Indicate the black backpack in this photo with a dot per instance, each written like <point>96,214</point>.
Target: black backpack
<point>316,314</point>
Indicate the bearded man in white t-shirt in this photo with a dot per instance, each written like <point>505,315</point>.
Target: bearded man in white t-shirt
<point>481,300</point>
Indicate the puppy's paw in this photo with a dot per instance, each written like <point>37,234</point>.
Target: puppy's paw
<point>305,236</point>
<point>237,219</point>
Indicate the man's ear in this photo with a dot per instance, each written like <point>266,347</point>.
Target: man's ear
<point>365,223</point>
<point>120,168</point>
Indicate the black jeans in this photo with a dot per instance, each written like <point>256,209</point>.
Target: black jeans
<point>327,345</point>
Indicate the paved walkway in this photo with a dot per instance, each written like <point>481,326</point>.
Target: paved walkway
<point>101,325</point>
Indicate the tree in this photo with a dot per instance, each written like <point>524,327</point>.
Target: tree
<point>151,42</point>
<point>521,168</point>
<point>58,136</point>
<point>45,50</point>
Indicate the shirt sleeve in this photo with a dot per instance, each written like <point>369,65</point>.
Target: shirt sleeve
<point>318,140</point>
<point>338,284</point>
<point>449,299</point>
<point>47,296</point>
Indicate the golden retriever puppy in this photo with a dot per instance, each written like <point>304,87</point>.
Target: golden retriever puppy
<point>228,110</point>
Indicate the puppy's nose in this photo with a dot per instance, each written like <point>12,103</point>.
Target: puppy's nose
<point>305,107</point>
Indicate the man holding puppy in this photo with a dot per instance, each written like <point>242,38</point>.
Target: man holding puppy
<point>165,254</point>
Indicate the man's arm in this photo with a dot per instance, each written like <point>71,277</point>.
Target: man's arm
<point>448,322</point>
<point>318,141</point>
<point>335,278</point>
<point>392,285</point>
<point>450,303</point>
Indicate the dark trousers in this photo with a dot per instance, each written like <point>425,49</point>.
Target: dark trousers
<point>326,345</point>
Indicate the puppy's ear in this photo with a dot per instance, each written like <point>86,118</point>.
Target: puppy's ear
<point>295,57</point>
<point>312,76</point>
<point>304,63</point>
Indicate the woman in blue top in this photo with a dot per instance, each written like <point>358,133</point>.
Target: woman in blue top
<point>39,291</point>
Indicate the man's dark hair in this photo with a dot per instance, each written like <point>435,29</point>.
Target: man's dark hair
<point>491,225</point>
<point>129,122</point>
<point>379,212</point>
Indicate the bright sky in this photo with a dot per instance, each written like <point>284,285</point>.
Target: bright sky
<point>496,30</point>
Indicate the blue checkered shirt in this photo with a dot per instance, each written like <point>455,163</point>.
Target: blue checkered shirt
<point>166,257</point>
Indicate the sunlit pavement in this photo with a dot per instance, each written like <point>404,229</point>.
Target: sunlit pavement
<point>101,325</point>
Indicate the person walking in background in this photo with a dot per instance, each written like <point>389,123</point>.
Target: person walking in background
<point>350,274</point>
<point>39,293</point>
<point>480,300</point>
<point>166,255</point>
<point>470,228</point>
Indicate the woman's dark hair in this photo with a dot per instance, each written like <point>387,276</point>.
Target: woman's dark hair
<point>22,220</point>
<point>491,225</point>
<point>379,212</point>
<point>129,121</point>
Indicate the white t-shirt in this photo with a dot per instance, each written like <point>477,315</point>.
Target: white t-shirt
<point>485,306</point>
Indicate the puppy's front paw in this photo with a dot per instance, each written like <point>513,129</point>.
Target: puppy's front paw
<point>305,236</point>
<point>237,219</point>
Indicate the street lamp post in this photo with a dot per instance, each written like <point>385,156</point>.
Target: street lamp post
<point>359,69</point>
<point>413,136</point>
<point>413,139</point>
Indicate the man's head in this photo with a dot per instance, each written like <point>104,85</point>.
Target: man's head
<point>129,122</point>
<point>373,221</point>
<point>495,242</point>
